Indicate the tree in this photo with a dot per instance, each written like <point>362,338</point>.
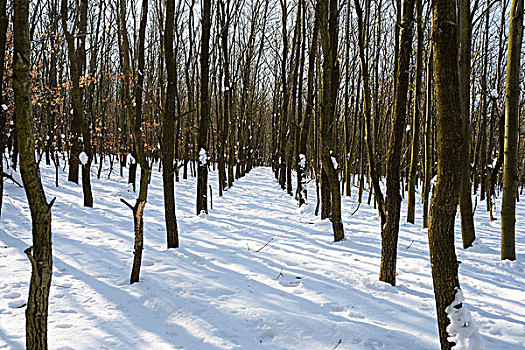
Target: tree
<point>427,138</point>
<point>76,66</point>
<point>414,159</point>
<point>450,140</point>
<point>202,165</point>
<point>372,161</point>
<point>168,130</point>
<point>390,232</point>
<point>40,254</point>
<point>305,123</point>
<point>465,197</point>
<point>328,24</point>
<point>137,131</point>
<point>510,162</point>
<point>3,32</point>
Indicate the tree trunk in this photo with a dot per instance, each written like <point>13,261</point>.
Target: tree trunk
<point>510,162</point>
<point>76,97</point>
<point>305,125</point>
<point>202,166</point>
<point>328,20</point>
<point>390,231</point>
<point>40,254</point>
<point>3,32</point>
<point>168,130</point>
<point>369,138</point>
<point>428,138</point>
<point>414,160</point>
<point>445,197</point>
<point>465,196</point>
<point>136,130</point>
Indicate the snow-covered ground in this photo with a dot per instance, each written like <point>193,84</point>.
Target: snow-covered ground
<point>224,289</point>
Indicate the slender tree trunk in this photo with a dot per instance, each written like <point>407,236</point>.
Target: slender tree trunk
<point>3,32</point>
<point>168,130</point>
<point>390,231</point>
<point>510,163</point>
<point>328,20</point>
<point>223,134</point>
<point>76,96</point>
<point>428,138</point>
<point>202,166</point>
<point>445,196</point>
<point>465,196</point>
<point>283,122</point>
<point>40,254</point>
<point>305,125</point>
<point>414,160</point>
<point>136,130</point>
<point>369,138</point>
<point>501,122</point>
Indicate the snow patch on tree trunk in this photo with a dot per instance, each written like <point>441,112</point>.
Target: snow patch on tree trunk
<point>83,158</point>
<point>203,158</point>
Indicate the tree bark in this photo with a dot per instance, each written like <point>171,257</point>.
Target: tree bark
<point>78,107</point>
<point>390,231</point>
<point>328,20</point>
<point>301,193</point>
<point>40,255</point>
<point>369,136</point>
<point>510,162</point>
<point>414,159</point>
<point>3,32</point>
<point>445,197</point>
<point>427,139</point>
<point>465,196</point>
<point>168,130</point>
<point>202,166</point>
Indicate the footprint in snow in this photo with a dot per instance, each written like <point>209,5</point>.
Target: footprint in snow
<point>290,282</point>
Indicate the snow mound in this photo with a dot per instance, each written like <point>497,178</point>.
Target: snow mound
<point>462,329</point>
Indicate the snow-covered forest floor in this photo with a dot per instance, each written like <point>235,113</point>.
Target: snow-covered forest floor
<point>224,289</point>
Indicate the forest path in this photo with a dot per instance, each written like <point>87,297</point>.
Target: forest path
<point>255,273</point>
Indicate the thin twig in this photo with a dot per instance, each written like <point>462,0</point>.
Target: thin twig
<point>280,274</point>
<point>129,205</point>
<point>358,204</point>
<point>6,175</point>
<point>258,250</point>
<point>338,343</point>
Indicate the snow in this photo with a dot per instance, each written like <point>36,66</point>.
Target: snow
<point>70,26</point>
<point>462,329</point>
<point>131,159</point>
<point>203,158</point>
<point>334,162</point>
<point>302,161</point>
<point>256,273</point>
<point>4,107</point>
<point>83,158</point>
<point>494,93</point>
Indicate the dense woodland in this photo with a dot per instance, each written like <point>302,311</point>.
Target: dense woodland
<point>406,98</point>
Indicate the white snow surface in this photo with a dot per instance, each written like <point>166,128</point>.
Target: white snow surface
<point>301,291</point>
<point>494,93</point>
